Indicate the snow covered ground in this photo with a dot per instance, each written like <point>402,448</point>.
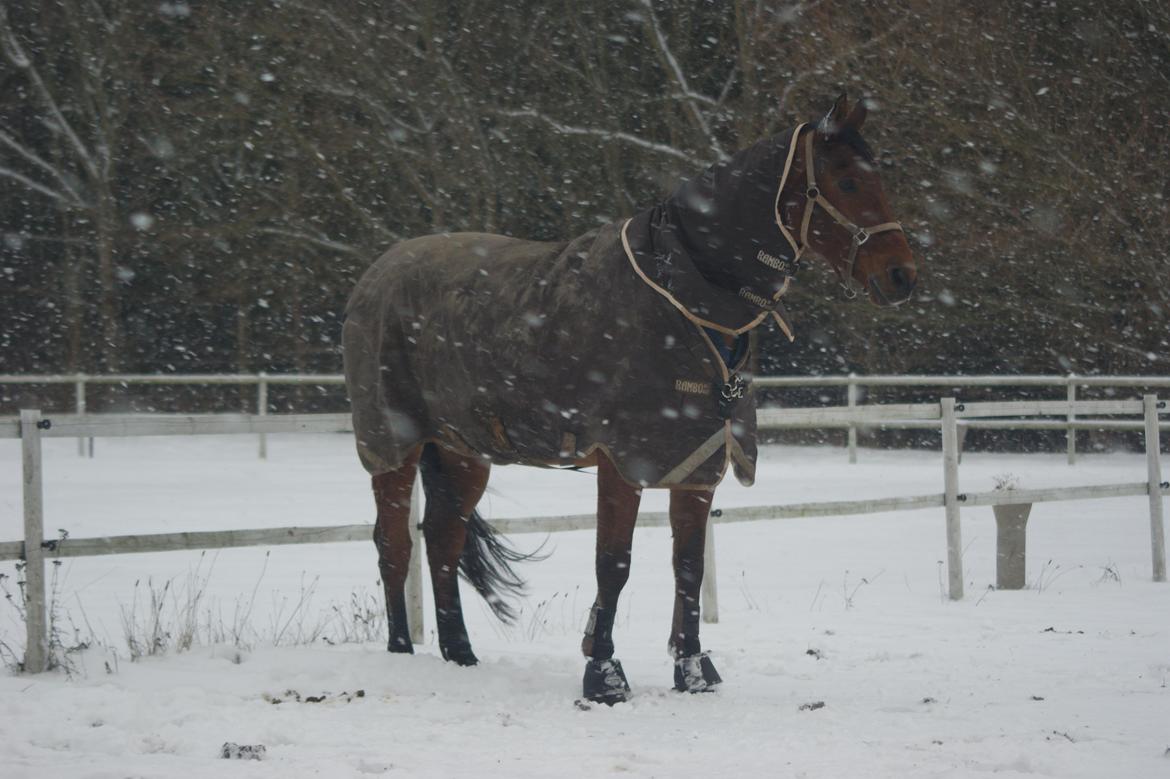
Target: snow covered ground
<point>1065,679</point>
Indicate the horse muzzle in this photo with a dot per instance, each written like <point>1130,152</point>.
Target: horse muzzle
<point>892,287</point>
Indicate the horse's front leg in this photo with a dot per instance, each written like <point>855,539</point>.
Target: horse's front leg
<point>617,510</point>
<point>689,510</point>
<point>392,493</point>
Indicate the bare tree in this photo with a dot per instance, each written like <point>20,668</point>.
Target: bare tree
<point>64,146</point>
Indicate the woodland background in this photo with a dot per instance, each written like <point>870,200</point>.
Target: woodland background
<point>195,186</point>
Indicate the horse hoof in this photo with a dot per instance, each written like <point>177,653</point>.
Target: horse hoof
<point>460,654</point>
<point>605,682</point>
<point>400,646</point>
<point>695,674</point>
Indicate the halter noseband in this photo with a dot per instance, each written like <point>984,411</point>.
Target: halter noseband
<point>859,235</point>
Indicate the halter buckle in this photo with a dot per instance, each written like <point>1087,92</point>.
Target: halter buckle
<point>861,236</point>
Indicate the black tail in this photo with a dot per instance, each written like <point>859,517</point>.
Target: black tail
<point>487,559</point>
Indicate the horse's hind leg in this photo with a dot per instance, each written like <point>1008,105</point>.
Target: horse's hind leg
<point>689,510</point>
<point>392,492</point>
<point>454,484</point>
<point>617,510</point>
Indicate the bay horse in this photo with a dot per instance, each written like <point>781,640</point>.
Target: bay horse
<point>625,348</point>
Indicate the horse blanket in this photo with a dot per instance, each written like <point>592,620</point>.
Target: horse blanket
<point>543,353</point>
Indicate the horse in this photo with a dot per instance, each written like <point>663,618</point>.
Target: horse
<point>625,348</point>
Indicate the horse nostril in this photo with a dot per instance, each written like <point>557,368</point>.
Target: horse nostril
<point>902,280</point>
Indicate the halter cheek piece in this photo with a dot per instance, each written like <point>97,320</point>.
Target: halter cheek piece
<point>859,235</point>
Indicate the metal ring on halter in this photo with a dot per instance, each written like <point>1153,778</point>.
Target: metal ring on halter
<point>812,193</point>
<point>864,236</point>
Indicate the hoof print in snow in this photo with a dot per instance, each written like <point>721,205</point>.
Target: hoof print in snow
<point>818,654</point>
<point>928,699</point>
<point>812,706</point>
<point>581,704</point>
<point>325,697</point>
<point>231,751</point>
<point>1037,697</point>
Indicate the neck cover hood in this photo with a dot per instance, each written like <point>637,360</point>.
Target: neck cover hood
<point>716,247</point>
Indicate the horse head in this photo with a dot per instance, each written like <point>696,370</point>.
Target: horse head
<point>836,203</point>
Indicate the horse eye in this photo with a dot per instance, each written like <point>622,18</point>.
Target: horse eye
<point>847,185</point>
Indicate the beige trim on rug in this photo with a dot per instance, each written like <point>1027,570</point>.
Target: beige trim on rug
<point>741,458</point>
<point>675,302</point>
<point>796,248</point>
<point>697,458</point>
<point>784,326</point>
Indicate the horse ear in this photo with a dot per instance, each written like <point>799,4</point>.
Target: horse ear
<point>836,118</point>
<point>857,115</point>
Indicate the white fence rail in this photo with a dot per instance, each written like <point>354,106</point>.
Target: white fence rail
<point>948,416</point>
<point>262,380</point>
<point>853,384</point>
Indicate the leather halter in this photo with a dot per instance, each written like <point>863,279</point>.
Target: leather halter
<point>859,235</point>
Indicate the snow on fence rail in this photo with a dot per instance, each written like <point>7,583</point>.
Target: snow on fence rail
<point>852,382</point>
<point>947,415</point>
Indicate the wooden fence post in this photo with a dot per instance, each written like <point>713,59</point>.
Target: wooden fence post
<point>262,410</point>
<point>1011,541</point>
<point>710,592</point>
<point>79,406</point>
<point>1154,472</point>
<point>950,447</point>
<point>36,648</point>
<point>851,401</point>
<point>414,591</point>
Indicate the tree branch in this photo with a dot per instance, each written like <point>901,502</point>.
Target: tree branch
<point>19,58</point>
<point>41,163</point>
<point>824,67</point>
<point>689,97</point>
<point>317,240</point>
<point>346,192</point>
<point>609,135</point>
<point>33,185</point>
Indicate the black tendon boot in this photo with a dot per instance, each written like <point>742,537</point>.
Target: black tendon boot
<point>695,673</point>
<point>605,681</point>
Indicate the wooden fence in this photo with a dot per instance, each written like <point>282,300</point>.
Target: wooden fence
<point>949,416</point>
<point>853,384</point>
